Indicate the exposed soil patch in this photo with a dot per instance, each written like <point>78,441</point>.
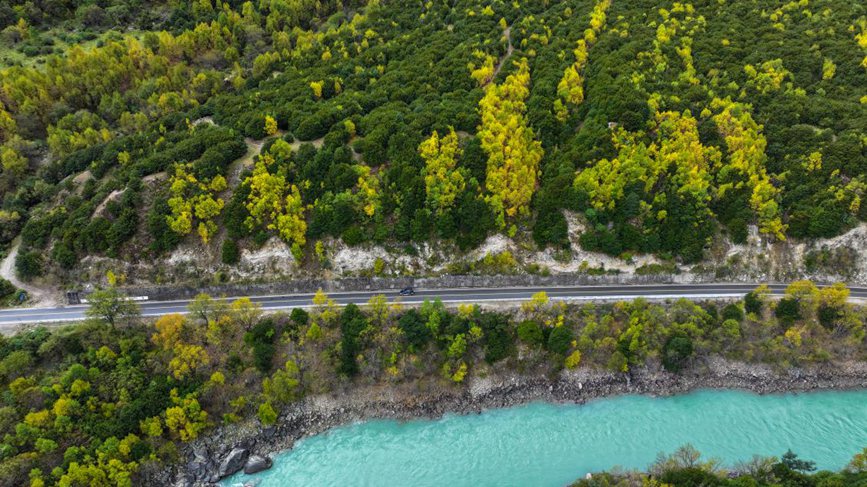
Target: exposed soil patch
<point>42,297</point>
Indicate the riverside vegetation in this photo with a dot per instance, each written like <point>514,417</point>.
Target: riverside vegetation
<point>89,404</point>
<point>685,467</point>
<point>663,125</point>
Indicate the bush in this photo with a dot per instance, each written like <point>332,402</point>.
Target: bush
<point>498,340</point>
<point>788,311</point>
<point>560,340</point>
<point>753,303</point>
<point>29,265</point>
<point>230,254</point>
<point>6,288</point>
<point>300,317</point>
<point>530,332</point>
<point>828,316</point>
<point>261,338</point>
<point>676,352</point>
<point>352,323</point>
<point>732,312</point>
<point>266,414</point>
<point>414,329</point>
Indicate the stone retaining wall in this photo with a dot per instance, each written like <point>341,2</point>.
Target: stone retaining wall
<point>165,293</point>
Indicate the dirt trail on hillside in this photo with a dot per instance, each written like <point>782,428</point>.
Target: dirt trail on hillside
<point>509,50</point>
<point>38,296</point>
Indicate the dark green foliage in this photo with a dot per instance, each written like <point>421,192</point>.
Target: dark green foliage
<point>414,329</point>
<point>560,340</point>
<point>497,334</point>
<point>230,253</point>
<point>299,317</point>
<point>732,312</point>
<point>530,332</point>
<point>29,264</point>
<point>164,239</point>
<point>6,288</point>
<point>235,214</point>
<point>352,323</point>
<point>829,315</point>
<point>261,338</point>
<point>676,351</point>
<point>788,310</point>
<point>691,477</point>
<point>791,461</point>
<point>753,303</point>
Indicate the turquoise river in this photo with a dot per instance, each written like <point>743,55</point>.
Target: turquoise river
<point>552,445</point>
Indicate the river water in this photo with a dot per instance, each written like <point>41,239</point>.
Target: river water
<point>544,444</point>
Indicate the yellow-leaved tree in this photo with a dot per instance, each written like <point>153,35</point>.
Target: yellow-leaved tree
<point>570,90</point>
<point>746,149</point>
<point>443,182</point>
<point>193,200</point>
<point>276,203</point>
<point>368,190</point>
<point>513,153</point>
<point>484,72</point>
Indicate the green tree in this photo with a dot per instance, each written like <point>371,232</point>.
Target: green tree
<point>111,306</point>
<point>676,351</point>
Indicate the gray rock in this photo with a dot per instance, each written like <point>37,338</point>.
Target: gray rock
<point>233,462</point>
<point>256,464</point>
<point>199,468</point>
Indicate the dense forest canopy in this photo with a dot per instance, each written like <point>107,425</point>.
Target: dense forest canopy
<point>663,125</point>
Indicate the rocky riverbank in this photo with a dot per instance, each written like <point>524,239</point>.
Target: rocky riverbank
<point>248,444</point>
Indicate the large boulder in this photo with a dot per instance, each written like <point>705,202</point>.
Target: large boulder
<point>233,462</point>
<point>199,468</point>
<point>256,464</point>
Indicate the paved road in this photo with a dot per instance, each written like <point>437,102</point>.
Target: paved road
<point>18,316</point>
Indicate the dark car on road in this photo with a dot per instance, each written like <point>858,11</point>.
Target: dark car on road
<point>407,291</point>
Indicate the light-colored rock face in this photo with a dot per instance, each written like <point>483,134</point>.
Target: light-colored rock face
<point>582,259</point>
<point>273,257</point>
<point>833,259</point>
<point>757,260</point>
<point>184,255</point>
<point>345,260</point>
<point>495,244</point>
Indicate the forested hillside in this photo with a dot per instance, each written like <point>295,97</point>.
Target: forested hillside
<point>662,125</point>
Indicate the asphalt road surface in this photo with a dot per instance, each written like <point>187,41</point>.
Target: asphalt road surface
<point>10,318</point>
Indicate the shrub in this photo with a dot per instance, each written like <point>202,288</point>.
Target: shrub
<point>753,303</point>
<point>266,414</point>
<point>414,329</point>
<point>560,340</point>
<point>530,332</point>
<point>676,352</point>
<point>6,288</point>
<point>29,265</point>
<point>788,310</point>
<point>230,254</point>
<point>732,312</point>
<point>261,338</point>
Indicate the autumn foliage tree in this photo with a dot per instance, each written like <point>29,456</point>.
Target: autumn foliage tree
<point>513,153</point>
<point>443,180</point>
<point>193,200</point>
<point>275,203</point>
<point>570,90</point>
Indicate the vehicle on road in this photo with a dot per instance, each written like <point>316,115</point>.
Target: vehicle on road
<point>407,291</point>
